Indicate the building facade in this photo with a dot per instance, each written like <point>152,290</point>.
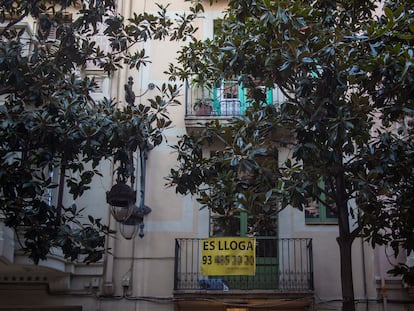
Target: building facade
<point>297,266</point>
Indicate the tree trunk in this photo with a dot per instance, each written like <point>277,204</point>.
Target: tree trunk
<point>345,252</point>
<point>345,240</point>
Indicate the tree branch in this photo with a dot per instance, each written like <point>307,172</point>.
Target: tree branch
<point>6,90</point>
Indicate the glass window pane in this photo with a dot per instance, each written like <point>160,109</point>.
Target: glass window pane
<point>224,226</point>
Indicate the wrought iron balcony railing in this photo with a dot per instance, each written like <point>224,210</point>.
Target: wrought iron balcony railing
<point>227,99</point>
<point>283,265</point>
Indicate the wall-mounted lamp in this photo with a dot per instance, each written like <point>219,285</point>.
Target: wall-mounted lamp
<point>122,197</point>
<point>134,223</point>
<point>122,200</point>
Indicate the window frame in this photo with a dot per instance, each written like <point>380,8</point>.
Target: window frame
<point>323,218</point>
<point>243,224</point>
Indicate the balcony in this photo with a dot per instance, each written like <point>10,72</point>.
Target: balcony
<point>224,101</point>
<point>57,272</point>
<point>282,266</point>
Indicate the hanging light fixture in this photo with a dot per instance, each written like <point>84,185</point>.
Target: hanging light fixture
<point>134,223</point>
<point>122,200</point>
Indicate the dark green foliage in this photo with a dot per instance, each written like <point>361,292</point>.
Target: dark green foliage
<point>50,124</point>
<point>241,173</point>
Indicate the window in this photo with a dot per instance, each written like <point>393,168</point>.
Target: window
<point>102,84</point>
<point>101,41</point>
<point>230,98</point>
<point>50,28</point>
<point>318,212</point>
<point>25,37</point>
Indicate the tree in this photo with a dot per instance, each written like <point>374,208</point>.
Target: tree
<point>240,174</point>
<point>50,123</point>
<point>347,77</point>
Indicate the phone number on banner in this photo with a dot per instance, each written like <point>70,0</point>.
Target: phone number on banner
<point>228,260</point>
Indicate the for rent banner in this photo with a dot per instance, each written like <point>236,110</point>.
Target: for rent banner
<point>228,256</point>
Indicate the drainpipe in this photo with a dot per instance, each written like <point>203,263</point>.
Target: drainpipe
<point>383,292</point>
<point>383,286</point>
<point>364,274</point>
<point>108,285</point>
<point>108,277</point>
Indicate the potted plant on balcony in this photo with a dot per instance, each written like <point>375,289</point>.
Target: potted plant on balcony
<point>203,106</point>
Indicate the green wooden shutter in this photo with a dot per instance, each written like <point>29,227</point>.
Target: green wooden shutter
<point>269,97</point>
<point>216,100</point>
<point>242,99</point>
